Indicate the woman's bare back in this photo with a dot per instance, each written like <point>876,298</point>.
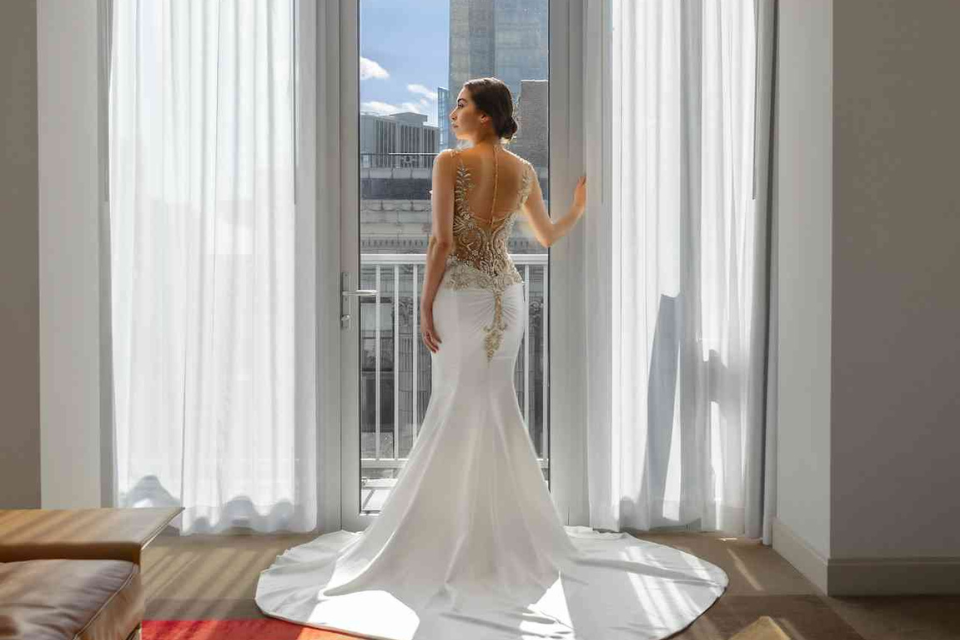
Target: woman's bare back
<point>497,180</point>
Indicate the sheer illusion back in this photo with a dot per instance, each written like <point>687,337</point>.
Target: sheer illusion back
<point>480,259</point>
<point>495,185</point>
<point>487,198</point>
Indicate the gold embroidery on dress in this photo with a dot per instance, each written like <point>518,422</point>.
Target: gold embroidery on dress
<point>480,258</point>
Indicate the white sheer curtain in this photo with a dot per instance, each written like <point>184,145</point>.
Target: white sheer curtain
<point>212,295</point>
<point>678,255</point>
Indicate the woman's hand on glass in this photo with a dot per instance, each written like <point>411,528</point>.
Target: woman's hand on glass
<point>580,194</point>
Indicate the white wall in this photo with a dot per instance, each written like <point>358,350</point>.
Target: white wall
<point>896,280</point>
<point>869,206</point>
<point>69,292</point>
<point>805,209</point>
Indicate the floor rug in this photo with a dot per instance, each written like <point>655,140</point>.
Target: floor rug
<point>251,629</point>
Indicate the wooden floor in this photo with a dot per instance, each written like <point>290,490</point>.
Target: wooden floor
<point>215,577</point>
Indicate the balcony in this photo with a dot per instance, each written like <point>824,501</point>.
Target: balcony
<point>395,385</point>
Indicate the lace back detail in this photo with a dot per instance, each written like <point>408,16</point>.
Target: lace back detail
<point>480,258</point>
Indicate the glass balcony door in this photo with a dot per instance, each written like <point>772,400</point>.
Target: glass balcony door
<point>402,65</point>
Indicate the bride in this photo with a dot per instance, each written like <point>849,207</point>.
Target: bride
<point>468,544</point>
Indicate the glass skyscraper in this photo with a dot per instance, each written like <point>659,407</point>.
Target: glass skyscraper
<point>502,38</point>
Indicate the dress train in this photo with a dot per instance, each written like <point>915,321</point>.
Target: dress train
<point>469,545</point>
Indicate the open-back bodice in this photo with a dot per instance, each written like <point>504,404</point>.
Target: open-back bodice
<point>480,257</point>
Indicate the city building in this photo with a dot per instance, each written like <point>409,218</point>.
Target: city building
<point>443,113</point>
<point>532,140</point>
<point>397,140</point>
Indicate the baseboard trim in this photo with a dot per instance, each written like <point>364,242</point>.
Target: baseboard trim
<point>894,576</point>
<point>801,555</point>
<point>867,576</point>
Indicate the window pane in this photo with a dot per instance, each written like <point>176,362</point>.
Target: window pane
<point>415,56</point>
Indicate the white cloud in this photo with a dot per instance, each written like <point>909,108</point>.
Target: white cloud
<point>424,91</point>
<point>370,69</point>
<point>416,107</point>
<point>379,108</point>
<point>386,109</point>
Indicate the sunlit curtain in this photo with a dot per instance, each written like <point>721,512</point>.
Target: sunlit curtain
<point>677,130</point>
<point>213,350</point>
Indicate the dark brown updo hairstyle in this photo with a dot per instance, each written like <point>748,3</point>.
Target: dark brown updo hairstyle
<point>493,97</point>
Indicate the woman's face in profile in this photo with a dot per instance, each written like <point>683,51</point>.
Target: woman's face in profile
<point>465,117</point>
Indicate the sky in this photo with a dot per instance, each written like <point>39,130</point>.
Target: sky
<point>404,55</point>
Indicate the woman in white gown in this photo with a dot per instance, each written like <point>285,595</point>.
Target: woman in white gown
<point>469,545</point>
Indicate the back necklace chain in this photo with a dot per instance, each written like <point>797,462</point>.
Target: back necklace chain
<point>493,205</point>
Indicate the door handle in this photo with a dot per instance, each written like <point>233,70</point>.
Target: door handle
<point>346,294</point>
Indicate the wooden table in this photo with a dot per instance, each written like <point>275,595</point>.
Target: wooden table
<point>80,534</point>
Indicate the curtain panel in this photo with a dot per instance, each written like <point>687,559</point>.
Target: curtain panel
<point>211,304</point>
<point>678,101</point>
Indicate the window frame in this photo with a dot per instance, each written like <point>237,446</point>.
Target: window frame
<point>329,98</point>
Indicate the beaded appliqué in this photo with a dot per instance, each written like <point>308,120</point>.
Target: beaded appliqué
<point>480,259</point>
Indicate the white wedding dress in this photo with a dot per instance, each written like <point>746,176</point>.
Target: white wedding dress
<point>469,545</point>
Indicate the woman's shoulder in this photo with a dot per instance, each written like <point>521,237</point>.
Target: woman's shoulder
<point>456,155</point>
<point>469,152</point>
<point>448,153</point>
<point>447,160</point>
<point>513,155</point>
<point>524,163</point>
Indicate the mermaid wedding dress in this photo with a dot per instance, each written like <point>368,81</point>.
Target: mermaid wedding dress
<point>469,545</point>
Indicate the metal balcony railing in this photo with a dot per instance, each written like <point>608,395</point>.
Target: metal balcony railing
<point>399,160</point>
